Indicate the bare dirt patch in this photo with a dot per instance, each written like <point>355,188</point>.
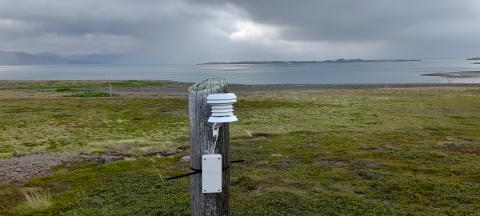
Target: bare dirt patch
<point>20,169</point>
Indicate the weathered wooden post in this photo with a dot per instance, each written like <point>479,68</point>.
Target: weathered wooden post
<point>201,141</point>
<point>110,87</point>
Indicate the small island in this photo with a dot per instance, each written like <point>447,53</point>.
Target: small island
<point>458,74</point>
<point>476,63</point>
<point>312,62</point>
<point>472,59</point>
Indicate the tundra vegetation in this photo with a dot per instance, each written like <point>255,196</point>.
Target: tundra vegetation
<point>382,151</point>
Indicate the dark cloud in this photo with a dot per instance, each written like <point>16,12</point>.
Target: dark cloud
<point>443,28</point>
<point>355,20</point>
<point>220,30</point>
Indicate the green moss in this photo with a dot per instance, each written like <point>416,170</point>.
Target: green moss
<point>96,150</point>
<point>69,85</point>
<point>138,83</point>
<point>64,89</point>
<point>314,173</point>
<point>6,155</point>
<point>363,152</point>
<point>59,124</point>
<point>90,94</point>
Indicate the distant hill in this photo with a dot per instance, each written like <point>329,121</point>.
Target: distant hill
<point>476,58</point>
<point>304,62</point>
<point>22,58</point>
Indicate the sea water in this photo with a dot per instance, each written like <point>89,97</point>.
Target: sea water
<point>274,73</point>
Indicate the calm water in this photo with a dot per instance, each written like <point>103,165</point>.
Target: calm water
<point>332,73</point>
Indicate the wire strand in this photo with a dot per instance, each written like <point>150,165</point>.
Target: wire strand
<point>216,130</point>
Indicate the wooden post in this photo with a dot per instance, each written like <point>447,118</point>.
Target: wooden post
<point>110,85</point>
<point>201,139</point>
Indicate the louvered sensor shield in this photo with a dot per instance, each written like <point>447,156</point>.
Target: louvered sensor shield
<point>222,107</point>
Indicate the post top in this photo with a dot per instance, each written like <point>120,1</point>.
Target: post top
<point>208,84</point>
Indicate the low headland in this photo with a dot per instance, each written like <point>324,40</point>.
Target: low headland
<point>472,59</point>
<point>312,62</point>
<point>459,74</point>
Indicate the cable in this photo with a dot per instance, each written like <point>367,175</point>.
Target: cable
<point>215,133</point>
<point>181,176</point>
<point>196,171</point>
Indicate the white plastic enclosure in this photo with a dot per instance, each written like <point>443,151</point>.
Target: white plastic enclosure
<point>212,173</point>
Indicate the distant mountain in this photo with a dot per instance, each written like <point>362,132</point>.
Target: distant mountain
<point>476,58</point>
<point>304,62</point>
<point>22,58</point>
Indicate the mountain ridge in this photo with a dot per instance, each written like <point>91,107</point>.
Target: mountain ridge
<point>13,58</point>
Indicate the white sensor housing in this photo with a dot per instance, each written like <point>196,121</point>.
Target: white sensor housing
<point>212,173</point>
<point>222,107</point>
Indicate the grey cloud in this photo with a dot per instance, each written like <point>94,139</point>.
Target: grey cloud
<point>356,20</point>
<point>427,28</point>
<point>173,31</point>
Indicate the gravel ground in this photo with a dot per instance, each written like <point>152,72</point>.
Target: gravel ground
<point>19,169</point>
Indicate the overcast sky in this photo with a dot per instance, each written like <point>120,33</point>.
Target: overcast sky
<point>188,31</point>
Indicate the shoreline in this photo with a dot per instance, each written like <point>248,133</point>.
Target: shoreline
<point>239,85</point>
<point>173,89</point>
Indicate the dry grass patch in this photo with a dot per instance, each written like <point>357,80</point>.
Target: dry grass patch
<point>35,199</point>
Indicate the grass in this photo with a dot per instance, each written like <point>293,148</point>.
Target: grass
<point>34,200</point>
<point>64,124</point>
<point>6,155</point>
<point>96,150</point>
<point>64,89</point>
<point>90,94</point>
<point>71,85</point>
<point>346,152</point>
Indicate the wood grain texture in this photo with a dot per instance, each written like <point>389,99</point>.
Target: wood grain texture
<point>200,140</point>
